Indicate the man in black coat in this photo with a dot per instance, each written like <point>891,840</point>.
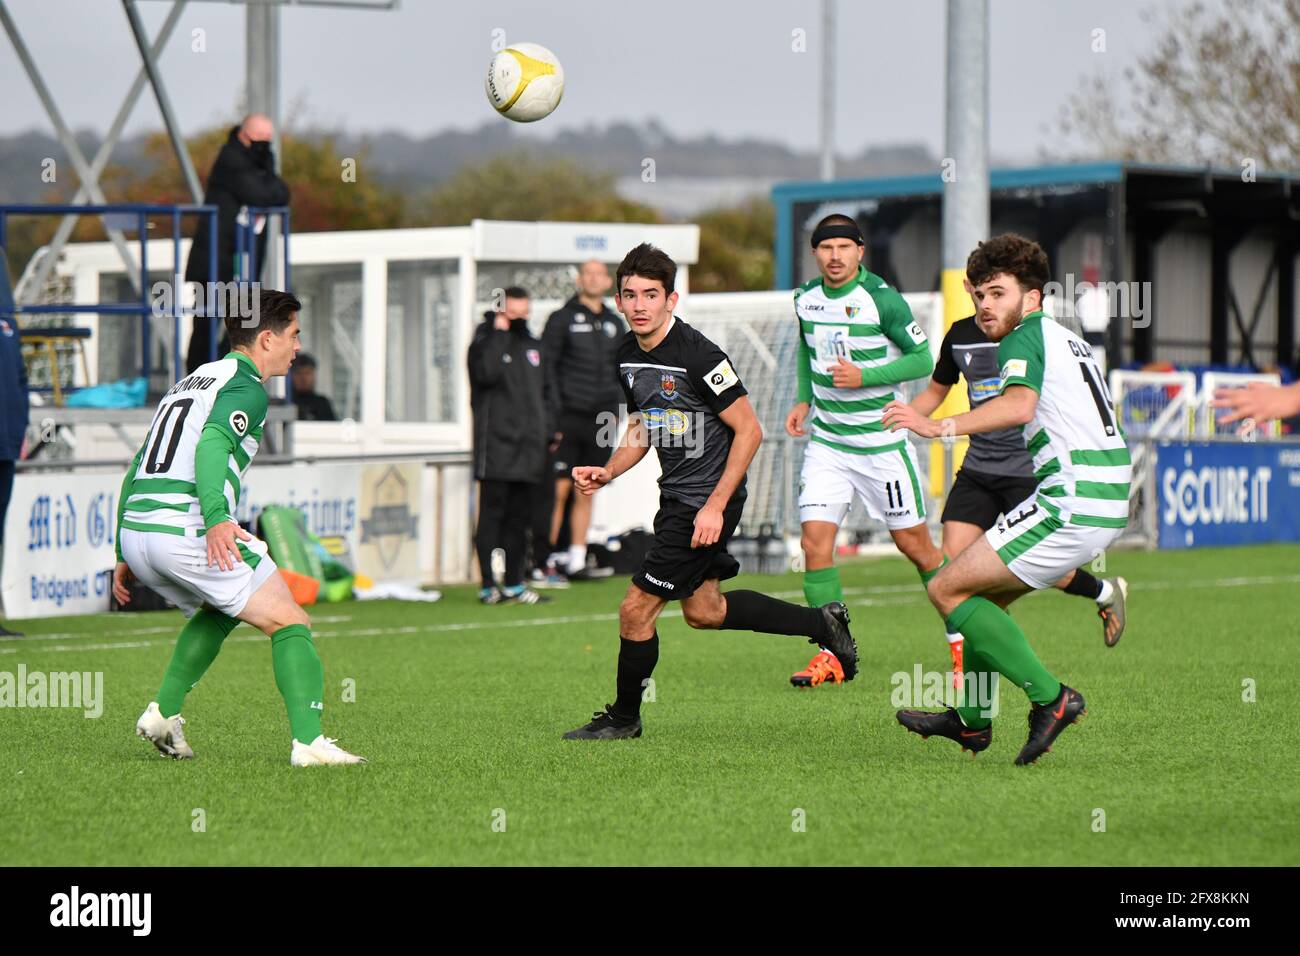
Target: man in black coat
<point>514,426</point>
<point>579,353</point>
<point>243,175</point>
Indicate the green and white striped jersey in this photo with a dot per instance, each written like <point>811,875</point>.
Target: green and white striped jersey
<point>227,395</point>
<point>868,323</point>
<point>1077,446</point>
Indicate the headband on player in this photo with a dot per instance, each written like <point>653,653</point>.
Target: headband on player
<point>836,231</point>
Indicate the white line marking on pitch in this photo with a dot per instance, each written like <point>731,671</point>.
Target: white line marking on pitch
<point>910,590</point>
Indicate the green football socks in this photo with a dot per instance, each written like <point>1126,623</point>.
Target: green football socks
<point>822,586</point>
<point>300,678</point>
<point>926,576</point>
<point>995,642</point>
<point>196,648</point>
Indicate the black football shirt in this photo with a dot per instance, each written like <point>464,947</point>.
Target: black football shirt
<point>680,387</point>
<point>967,351</point>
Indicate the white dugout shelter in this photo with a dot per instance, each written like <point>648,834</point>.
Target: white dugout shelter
<point>388,316</point>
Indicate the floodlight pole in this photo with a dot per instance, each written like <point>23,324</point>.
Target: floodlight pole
<point>966,163</point>
<point>262,79</point>
<point>965,175</point>
<point>828,91</point>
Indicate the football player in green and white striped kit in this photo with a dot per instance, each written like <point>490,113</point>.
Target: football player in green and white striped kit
<point>176,533</point>
<point>1053,391</point>
<point>858,343</point>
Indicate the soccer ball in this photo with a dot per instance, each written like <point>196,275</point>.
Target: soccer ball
<point>525,82</point>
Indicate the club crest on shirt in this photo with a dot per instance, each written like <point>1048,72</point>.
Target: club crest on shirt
<point>667,386</point>
<point>534,357</point>
<point>852,311</point>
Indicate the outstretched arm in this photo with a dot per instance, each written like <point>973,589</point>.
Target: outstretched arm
<point>636,442</point>
<point>931,398</point>
<point>1013,407</point>
<point>1259,401</point>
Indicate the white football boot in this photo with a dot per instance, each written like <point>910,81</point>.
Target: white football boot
<point>320,752</point>
<point>165,733</point>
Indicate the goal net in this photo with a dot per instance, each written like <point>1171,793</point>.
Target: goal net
<point>758,331</point>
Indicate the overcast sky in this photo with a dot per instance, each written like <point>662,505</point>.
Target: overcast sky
<point>699,66</point>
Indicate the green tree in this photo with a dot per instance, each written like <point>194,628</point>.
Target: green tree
<point>735,248</point>
<point>526,187</point>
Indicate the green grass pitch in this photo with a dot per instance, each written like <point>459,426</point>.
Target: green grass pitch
<point>460,710</point>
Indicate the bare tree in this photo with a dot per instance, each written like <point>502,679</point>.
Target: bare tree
<point>1222,85</point>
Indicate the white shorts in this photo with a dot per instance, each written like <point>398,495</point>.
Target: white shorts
<point>1040,548</point>
<point>176,566</point>
<point>888,484</point>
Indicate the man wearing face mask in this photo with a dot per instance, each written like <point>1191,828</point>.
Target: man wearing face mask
<point>243,175</point>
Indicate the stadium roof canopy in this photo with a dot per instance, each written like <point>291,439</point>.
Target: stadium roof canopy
<point>1133,205</point>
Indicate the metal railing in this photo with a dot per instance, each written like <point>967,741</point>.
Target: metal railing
<point>140,212</point>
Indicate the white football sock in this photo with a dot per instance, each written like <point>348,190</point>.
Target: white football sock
<point>577,557</point>
<point>1107,592</point>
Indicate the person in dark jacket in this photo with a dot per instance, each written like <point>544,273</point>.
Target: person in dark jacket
<point>312,406</point>
<point>243,175</point>
<point>579,347</point>
<point>13,412</point>
<point>514,427</point>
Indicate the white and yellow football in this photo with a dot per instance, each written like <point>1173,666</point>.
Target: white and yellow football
<point>525,82</point>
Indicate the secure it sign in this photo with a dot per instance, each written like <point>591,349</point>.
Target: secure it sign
<point>1228,493</point>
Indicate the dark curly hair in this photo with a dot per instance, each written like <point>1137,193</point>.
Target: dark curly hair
<point>1015,255</point>
<point>647,262</point>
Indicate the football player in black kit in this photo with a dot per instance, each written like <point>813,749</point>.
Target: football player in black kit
<point>686,399</point>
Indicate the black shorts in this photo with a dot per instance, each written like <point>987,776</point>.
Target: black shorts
<point>674,570</point>
<point>582,442</point>
<point>978,497</point>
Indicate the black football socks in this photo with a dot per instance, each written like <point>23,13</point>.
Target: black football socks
<point>636,662</point>
<point>752,611</point>
<point>1084,584</point>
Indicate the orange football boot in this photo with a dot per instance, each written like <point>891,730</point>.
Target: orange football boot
<point>822,667</point>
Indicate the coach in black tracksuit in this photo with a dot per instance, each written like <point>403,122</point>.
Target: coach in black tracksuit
<point>514,425</point>
<point>579,350</point>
